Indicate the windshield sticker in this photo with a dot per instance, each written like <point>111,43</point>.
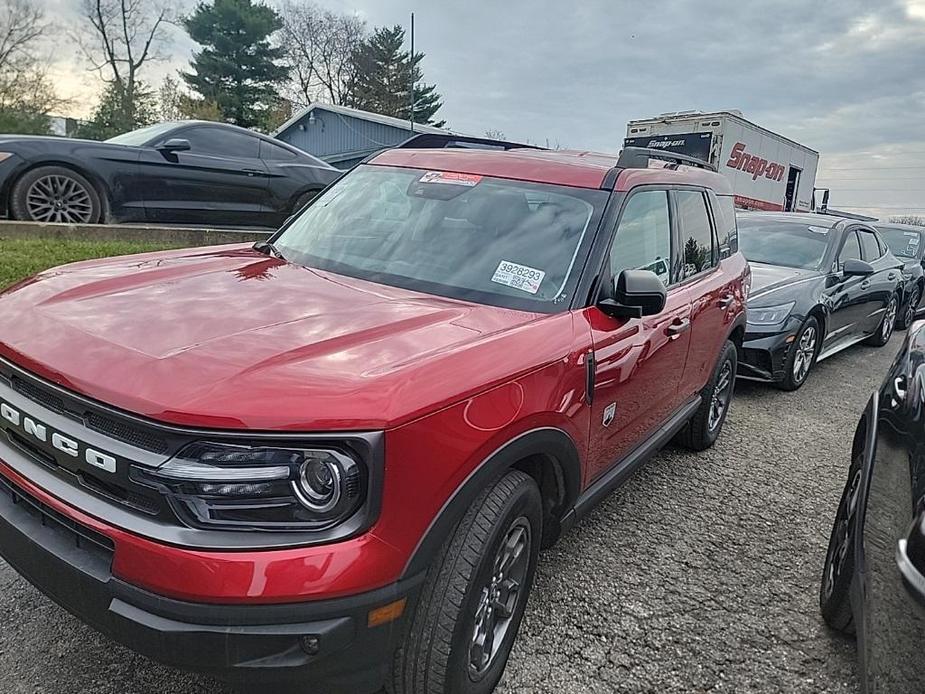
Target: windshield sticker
<point>521,277</point>
<point>913,238</point>
<point>455,179</point>
<point>818,230</point>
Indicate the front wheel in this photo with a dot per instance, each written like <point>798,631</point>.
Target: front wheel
<point>55,194</point>
<point>803,354</point>
<point>474,596</point>
<point>834,591</point>
<point>887,323</point>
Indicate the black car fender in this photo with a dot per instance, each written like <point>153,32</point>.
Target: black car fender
<point>538,452</point>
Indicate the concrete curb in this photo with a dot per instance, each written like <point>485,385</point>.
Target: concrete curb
<point>180,236</point>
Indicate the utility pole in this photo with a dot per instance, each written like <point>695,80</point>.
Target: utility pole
<point>411,117</point>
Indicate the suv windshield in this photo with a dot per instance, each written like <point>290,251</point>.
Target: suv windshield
<point>783,243</point>
<point>490,240</point>
<point>904,243</point>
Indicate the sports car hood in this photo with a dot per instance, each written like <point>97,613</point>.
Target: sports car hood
<point>229,338</point>
<point>769,280</point>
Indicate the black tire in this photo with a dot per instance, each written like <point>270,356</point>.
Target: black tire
<point>838,570</point>
<point>885,329</point>
<point>802,356</point>
<point>907,316</point>
<point>55,194</point>
<point>434,657</point>
<point>704,427</point>
<point>303,200</point>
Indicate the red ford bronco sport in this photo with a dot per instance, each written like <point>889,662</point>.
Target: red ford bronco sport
<point>332,458</point>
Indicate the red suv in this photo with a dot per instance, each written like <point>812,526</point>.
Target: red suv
<point>333,458</point>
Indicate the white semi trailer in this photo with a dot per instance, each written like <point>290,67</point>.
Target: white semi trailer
<point>767,170</point>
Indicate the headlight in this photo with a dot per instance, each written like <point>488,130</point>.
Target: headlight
<point>229,486</point>
<point>769,315</point>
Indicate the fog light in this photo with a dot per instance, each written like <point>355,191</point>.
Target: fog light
<point>310,644</point>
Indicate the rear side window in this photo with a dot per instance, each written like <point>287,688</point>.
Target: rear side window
<point>271,152</point>
<point>696,233</point>
<point>870,249</point>
<point>726,232</point>
<point>643,240</point>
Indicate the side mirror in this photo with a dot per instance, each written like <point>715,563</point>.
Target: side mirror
<point>857,268</point>
<point>637,293</point>
<point>174,144</point>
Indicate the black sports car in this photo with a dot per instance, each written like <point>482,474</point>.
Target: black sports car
<point>873,581</point>
<point>906,242</point>
<point>819,284</point>
<point>191,172</point>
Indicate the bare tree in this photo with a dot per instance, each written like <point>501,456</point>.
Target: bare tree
<point>914,219</point>
<point>320,46</point>
<point>22,24</point>
<point>126,35</point>
<point>494,134</point>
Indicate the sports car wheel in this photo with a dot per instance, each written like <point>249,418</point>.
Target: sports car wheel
<point>887,323</point>
<point>908,315</point>
<point>55,194</point>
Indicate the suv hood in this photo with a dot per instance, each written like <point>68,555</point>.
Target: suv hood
<point>228,338</point>
<point>769,278</point>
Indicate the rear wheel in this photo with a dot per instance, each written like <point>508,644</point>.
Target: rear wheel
<point>703,429</point>
<point>908,315</point>
<point>473,599</point>
<point>803,354</point>
<point>887,323</point>
<point>303,200</point>
<point>834,591</point>
<point>55,194</point>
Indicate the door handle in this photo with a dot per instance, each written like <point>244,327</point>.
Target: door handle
<point>252,172</point>
<point>892,276</point>
<point>726,301</point>
<point>677,328</point>
<point>865,284</point>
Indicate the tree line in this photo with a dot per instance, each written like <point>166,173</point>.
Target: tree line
<point>253,65</point>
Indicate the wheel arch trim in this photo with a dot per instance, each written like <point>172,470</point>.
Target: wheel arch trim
<point>546,442</point>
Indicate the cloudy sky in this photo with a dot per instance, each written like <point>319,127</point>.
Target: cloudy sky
<point>844,77</point>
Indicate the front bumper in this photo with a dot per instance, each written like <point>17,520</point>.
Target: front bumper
<point>764,354</point>
<point>326,645</point>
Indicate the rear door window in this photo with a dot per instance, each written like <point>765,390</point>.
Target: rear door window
<point>697,247</point>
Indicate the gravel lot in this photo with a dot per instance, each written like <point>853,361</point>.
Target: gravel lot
<point>699,575</point>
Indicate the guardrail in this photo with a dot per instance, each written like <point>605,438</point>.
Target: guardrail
<point>181,236</point>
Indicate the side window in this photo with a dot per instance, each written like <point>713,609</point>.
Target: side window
<point>870,249</point>
<point>643,240</point>
<point>851,249</point>
<point>271,152</point>
<point>696,233</point>
<point>726,231</point>
<point>219,142</point>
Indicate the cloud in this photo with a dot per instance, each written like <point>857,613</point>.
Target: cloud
<point>844,78</point>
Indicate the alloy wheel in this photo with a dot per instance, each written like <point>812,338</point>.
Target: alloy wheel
<point>722,393</point>
<point>500,598</point>
<point>841,535</point>
<point>910,308</point>
<point>58,198</point>
<point>889,320</point>
<point>805,352</point>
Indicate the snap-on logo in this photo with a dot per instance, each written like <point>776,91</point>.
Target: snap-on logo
<point>756,166</point>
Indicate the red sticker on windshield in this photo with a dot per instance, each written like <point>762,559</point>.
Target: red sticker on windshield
<point>456,179</point>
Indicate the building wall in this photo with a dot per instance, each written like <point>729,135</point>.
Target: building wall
<point>342,140</point>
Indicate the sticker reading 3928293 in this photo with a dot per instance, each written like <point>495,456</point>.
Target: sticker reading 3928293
<point>521,277</point>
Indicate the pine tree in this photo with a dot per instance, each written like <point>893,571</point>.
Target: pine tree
<point>382,79</point>
<point>237,68</point>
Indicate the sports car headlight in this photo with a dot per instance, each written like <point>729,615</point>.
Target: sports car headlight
<point>769,315</point>
<point>223,485</point>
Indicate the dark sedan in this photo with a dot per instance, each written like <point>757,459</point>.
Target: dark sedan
<point>191,172</point>
<point>819,285</point>
<point>905,240</point>
<point>873,581</point>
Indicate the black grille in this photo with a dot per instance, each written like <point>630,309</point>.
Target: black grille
<point>39,395</point>
<point>84,538</point>
<point>127,433</point>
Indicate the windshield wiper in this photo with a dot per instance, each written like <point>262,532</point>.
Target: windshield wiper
<point>267,248</point>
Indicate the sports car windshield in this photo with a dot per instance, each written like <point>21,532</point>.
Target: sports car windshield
<point>904,243</point>
<point>495,241</point>
<point>142,135</point>
<point>783,243</point>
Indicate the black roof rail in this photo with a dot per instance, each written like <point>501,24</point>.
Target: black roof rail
<point>638,158</point>
<point>450,141</point>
